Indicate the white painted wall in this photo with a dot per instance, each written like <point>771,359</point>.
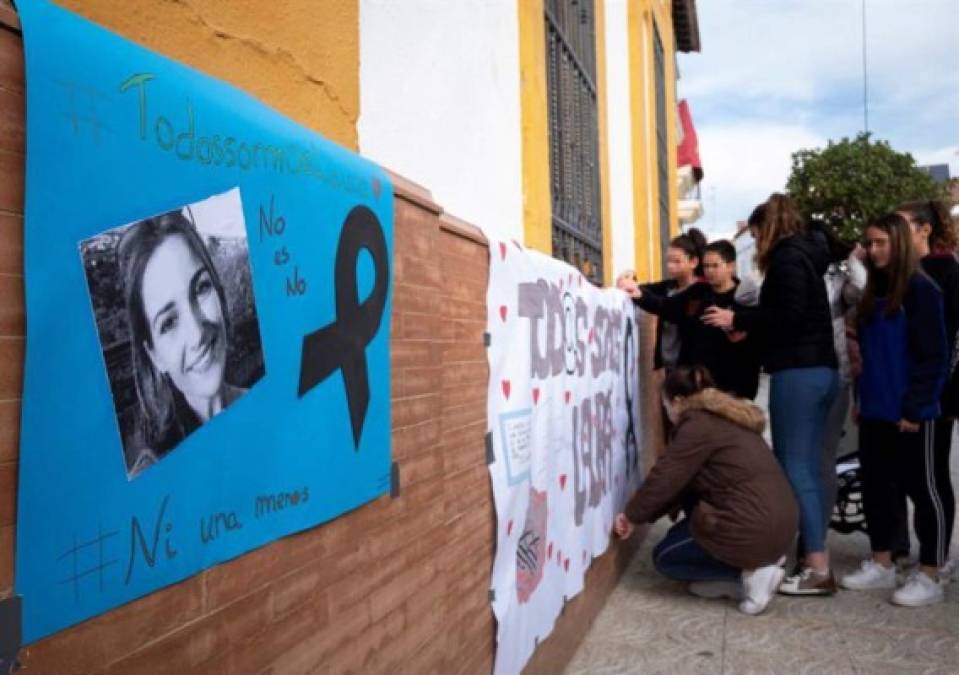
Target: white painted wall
<point>620,135</point>
<point>439,103</point>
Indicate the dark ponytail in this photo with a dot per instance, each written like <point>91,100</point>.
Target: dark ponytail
<point>758,217</point>
<point>935,214</point>
<point>686,381</point>
<point>692,244</point>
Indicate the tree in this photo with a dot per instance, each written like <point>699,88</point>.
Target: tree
<point>851,181</point>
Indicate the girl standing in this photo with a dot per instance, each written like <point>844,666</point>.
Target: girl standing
<point>793,324</point>
<point>902,339</point>
<point>684,267</point>
<point>934,236</point>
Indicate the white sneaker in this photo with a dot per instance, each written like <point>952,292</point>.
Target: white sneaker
<point>905,567</point>
<point>759,587</point>
<point>947,571</point>
<point>717,589</point>
<point>870,575</point>
<point>919,591</point>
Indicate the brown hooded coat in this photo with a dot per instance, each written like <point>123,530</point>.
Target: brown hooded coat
<point>745,513</point>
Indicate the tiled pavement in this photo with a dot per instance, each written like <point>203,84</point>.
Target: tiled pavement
<point>651,625</point>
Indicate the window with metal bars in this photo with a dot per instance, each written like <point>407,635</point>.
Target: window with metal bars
<point>574,135</point>
<point>662,146</point>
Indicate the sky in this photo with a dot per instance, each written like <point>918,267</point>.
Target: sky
<point>775,76</point>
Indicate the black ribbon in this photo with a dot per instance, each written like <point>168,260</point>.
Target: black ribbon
<point>631,457</point>
<point>341,345</point>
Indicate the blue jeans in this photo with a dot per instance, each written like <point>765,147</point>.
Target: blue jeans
<point>678,556</point>
<point>799,403</point>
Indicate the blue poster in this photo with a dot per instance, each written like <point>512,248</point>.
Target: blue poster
<point>208,294</point>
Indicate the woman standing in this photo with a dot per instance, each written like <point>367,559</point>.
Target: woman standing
<point>684,259</point>
<point>902,339</point>
<point>935,239</point>
<point>794,326</point>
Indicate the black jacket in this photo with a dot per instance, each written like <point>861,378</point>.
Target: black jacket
<point>662,289</point>
<point>943,269</point>
<point>733,365</point>
<point>792,321</point>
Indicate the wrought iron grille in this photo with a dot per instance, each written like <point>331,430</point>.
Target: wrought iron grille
<point>662,147</point>
<point>574,135</point>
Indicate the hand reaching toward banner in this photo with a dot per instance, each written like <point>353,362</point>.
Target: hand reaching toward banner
<point>623,527</point>
<point>626,281</point>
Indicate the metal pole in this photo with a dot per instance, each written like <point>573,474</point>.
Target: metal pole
<point>865,74</point>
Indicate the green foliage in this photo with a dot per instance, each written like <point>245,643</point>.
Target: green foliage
<point>849,182</point>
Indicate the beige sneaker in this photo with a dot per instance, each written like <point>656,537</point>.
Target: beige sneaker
<point>809,582</point>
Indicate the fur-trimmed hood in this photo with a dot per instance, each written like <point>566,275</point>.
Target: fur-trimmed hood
<point>737,410</point>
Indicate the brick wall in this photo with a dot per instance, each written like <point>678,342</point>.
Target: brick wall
<point>399,585</point>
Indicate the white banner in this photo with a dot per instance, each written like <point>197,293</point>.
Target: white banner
<point>563,410</point>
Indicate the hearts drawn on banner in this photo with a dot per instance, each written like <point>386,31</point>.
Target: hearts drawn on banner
<point>502,250</point>
<point>562,481</point>
<point>506,388</point>
<point>568,395</point>
<point>502,312</point>
<point>509,528</point>
<point>549,551</point>
<point>566,564</point>
<point>535,395</point>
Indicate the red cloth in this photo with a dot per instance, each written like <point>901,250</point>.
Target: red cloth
<point>687,154</point>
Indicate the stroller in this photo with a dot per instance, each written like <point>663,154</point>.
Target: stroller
<point>847,513</point>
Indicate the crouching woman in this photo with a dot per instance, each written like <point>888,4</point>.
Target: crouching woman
<point>740,512</point>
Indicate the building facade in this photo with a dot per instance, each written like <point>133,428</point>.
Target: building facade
<point>488,105</point>
<point>552,122</point>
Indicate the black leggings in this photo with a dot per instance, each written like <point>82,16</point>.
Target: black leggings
<point>896,465</point>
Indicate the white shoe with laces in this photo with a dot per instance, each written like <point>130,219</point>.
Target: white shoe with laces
<point>869,576</point>
<point>919,590</point>
<point>759,587</point>
<point>947,571</point>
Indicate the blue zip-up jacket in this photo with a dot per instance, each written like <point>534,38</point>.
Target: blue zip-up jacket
<point>905,357</point>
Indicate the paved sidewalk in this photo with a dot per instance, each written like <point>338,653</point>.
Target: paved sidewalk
<point>651,625</point>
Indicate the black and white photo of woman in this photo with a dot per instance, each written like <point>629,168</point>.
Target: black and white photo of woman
<point>178,322</point>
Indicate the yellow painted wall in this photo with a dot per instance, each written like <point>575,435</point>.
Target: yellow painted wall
<point>672,137</point>
<point>534,127</point>
<point>298,56</point>
<point>643,16</point>
<point>639,19</point>
<point>602,114</point>
<point>534,114</point>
